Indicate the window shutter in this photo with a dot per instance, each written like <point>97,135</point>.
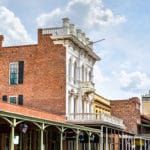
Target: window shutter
<point>4,98</point>
<point>20,100</point>
<point>21,72</point>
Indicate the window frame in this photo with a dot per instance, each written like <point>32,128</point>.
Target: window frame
<point>16,63</point>
<point>12,96</point>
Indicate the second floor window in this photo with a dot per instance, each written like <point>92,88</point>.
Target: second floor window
<point>16,71</point>
<point>70,69</point>
<point>82,73</point>
<point>75,73</point>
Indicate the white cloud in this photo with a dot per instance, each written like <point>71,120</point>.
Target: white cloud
<point>100,80</point>
<point>1,1</point>
<point>12,29</point>
<point>98,76</point>
<point>89,13</point>
<point>133,82</point>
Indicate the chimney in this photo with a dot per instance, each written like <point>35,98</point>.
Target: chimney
<point>87,41</point>
<point>71,26</point>
<point>83,37</point>
<point>78,32</point>
<point>1,40</point>
<point>90,44</point>
<point>39,35</point>
<point>66,25</point>
<point>66,22</point>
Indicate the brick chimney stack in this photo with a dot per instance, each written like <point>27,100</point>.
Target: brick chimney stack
<point>1,40</point>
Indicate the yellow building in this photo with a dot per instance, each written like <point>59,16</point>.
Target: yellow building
<point>146,104</point>
<point>101,104</point>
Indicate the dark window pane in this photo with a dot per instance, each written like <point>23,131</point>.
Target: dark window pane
<point>13,100</point>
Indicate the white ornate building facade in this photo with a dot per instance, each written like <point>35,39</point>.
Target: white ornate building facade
<point>80,60</point>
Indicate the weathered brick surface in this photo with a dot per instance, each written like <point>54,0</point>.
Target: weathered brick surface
<point>44,74</point>
<point>129,111</point>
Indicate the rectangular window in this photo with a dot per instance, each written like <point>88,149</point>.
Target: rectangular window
<point>16,72</point>
<point>13,99</point>
<point>13,73</point>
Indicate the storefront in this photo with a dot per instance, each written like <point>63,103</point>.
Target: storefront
<point>22,132</point>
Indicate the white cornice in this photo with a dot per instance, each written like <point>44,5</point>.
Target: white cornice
<point>78,43</point>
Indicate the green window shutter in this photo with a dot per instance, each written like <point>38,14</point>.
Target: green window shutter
<point>21,72</point>
<point>20,100</point>
<point>4,98</point>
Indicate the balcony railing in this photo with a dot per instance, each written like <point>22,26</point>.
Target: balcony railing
<point>59,31</point>
<point>87,87</point>
<point>95,118</point>
<point>65,31</point>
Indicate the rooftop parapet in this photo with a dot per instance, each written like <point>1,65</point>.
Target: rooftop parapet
<point>69,29</point>
<point>1,40</point>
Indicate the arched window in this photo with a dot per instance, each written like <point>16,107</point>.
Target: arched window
<point>75,73</point>
<point>74,107</point>
<point>90,76</point>
<point>82,106</point>
<point>82,73</point>
<point>69,104</point>
<point>86,74</point>
<point>70,69</point>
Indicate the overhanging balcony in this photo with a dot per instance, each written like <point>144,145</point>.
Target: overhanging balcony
<point>87,87</point>
<point>95,118</point>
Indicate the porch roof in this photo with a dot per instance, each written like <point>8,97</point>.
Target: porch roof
<point>32,115</point>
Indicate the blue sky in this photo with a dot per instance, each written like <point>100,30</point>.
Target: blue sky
<point>123,71</point>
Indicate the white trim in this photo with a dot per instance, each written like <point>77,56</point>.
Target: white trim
<point>17,71</point>
<point>15,97</point>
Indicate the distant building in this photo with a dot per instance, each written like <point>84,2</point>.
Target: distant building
<point>129,111</point>
<point>101,104</point>
<point>146,104</point>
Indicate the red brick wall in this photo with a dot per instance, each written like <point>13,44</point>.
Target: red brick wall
<point>129,111</point>
<point>44,74</point>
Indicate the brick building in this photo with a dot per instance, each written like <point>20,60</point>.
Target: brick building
<point>47,88</point>
<point>29,76</point>
<point>129,111</point>
<point>49,77</point>
<point>135,122</point>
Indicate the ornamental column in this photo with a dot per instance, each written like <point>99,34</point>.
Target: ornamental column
<point>77,139</point>
<point>41,136</point>
<point>89,142</point>
<point>61,138</point>
<point>101,141</point>
<point>12,134</point>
